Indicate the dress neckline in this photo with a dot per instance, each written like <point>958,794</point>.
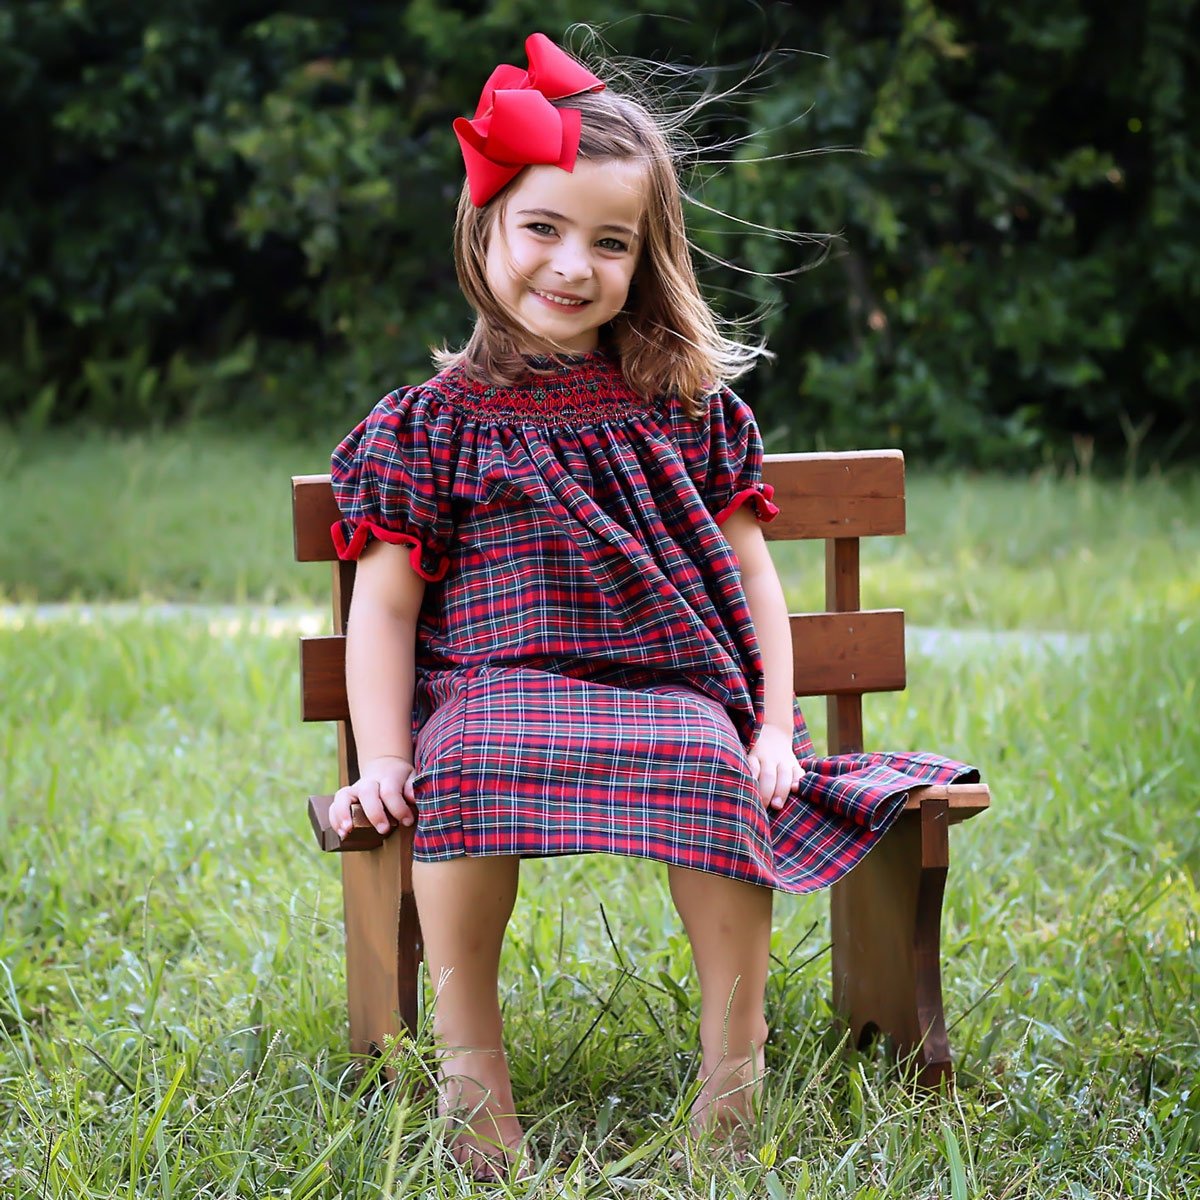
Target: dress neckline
<point>568,392</point>
<point>557,363</point>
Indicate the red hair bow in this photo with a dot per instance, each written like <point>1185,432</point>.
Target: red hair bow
<point>516,126</point>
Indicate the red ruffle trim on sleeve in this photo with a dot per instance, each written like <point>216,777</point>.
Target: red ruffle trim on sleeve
<point>764,510</point>
<point>350,550</point>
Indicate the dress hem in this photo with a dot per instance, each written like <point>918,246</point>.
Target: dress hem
<point>350,550</point>
<point>760,497</point>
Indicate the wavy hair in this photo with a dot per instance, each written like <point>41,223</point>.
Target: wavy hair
<point>667,339</point>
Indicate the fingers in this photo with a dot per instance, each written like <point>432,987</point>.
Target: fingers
<point>394,797</point>
<point>385,803</point>
<point>768,780</point>
<point>787,783</point>
<point>783,788</point>
<point>339,811</point>
<point>776,779</point>
<point>366,792</point>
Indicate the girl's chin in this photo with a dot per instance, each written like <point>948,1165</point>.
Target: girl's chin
<point>539,344</point>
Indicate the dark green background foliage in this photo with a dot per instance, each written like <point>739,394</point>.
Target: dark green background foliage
<point>227,207</point>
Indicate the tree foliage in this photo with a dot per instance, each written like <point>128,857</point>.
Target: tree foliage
<point>218,206</point>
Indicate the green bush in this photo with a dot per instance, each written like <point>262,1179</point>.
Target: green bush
<point>216,207</point>
<point>1015,231</point>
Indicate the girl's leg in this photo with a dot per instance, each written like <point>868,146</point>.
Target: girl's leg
<point>729,926</point>
<point>464,905</point>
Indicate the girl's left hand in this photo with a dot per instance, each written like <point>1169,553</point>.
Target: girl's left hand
<point>774,765</point>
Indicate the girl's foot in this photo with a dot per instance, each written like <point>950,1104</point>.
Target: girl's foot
<point>475,1095</point>
<point>728,1098</point>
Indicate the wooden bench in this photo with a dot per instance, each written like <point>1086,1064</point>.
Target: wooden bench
<point>885,915</point>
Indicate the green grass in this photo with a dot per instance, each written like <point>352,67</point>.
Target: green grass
<point>198,516</point>
<point>171,979</point>
<point>171,990</point>
<point>181,516</point>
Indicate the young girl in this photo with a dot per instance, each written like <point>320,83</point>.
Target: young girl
<point>566,633</point>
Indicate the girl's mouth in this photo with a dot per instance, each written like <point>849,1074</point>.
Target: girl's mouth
<point>561,301</point>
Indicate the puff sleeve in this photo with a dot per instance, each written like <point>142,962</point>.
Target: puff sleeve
<point>393,480</point>
<point>724,452</point>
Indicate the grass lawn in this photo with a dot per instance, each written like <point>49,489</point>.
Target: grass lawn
<point>171,991</point>
<point>207,517</point>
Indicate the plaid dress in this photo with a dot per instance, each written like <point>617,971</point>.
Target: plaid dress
<point>588,678</point>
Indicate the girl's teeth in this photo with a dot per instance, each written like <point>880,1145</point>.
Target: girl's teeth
<point>560,300</point>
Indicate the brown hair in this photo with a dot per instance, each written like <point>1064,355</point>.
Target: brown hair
<point>667,339</point>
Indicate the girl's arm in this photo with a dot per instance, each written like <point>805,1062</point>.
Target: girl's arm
<point>381,636</point>
<point>771,756</point>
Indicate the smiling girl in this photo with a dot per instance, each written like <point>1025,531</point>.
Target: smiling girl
<point>566,634</point>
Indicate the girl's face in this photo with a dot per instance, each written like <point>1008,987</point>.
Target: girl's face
<point>563,250</point>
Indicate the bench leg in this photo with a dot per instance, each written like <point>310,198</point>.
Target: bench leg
<point>886,927</point>
<point>383,943</point>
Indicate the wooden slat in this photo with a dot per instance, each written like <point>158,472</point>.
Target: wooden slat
<point>847,654</point>
<point>323,679</point>
<point>872,922</point>
<point>844,495</point>
<point>835,654</point>
<point>851,494</point>
<point>380,988</point>
<point>964,800</point>
<point>364,835</point>
<point>932,1056</point>
<point>844,713</point>
<point>343,587</point>
<point>313,512</point>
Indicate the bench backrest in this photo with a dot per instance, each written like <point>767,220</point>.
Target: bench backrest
<point>841,653</point>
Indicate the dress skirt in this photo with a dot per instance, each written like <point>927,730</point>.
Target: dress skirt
<point>516,761</point>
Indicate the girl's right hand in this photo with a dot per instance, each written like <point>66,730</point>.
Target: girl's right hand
<point>384,790</point>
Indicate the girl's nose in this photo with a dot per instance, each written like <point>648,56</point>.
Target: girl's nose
<point>572,260</point>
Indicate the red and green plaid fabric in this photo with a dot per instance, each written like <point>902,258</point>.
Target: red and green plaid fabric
<point>588,675</point>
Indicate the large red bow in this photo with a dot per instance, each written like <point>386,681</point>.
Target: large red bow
<point>516,126</point>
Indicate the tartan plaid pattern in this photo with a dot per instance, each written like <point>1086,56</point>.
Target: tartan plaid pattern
<point>588,674</point>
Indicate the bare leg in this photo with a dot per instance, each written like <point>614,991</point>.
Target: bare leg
<point>464,905</point>
<point>729,926</point>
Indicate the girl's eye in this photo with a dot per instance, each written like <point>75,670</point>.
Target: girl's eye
<point>540,228</point>
<point>613,244</point>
